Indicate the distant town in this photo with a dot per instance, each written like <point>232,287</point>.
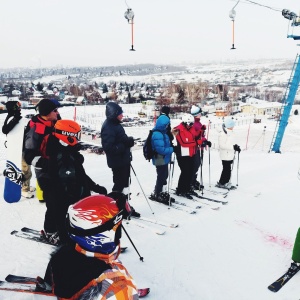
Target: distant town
<point>224,88</point>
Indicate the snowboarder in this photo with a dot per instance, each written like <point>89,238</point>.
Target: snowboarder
<point>67,181</point>
<point>89,268</point>
<point>227,148</point>
<point>116,145</point>
<point>163,150</point>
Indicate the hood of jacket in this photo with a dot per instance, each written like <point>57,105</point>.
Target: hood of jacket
<point>113,110</point>
<point>162,123</point>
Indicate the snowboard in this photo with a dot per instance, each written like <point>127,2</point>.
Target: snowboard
<point>13,171</point>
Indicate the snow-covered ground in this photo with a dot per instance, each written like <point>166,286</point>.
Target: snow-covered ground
<point>233,253</point>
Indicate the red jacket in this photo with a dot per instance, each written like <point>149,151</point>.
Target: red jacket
<point>186,140</point>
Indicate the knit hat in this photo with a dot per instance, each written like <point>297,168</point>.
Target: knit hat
<point>195,111</point>
<point>165,110</point>
<point>229,123</point>
<point>45,107</point>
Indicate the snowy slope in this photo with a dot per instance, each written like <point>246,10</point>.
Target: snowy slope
<point>230,254</point>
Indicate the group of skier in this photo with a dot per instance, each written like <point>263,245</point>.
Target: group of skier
<point>87,260</point>
<point>188,141</point>
<point>89,236</point>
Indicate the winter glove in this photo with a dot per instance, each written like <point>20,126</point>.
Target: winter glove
<point>208,143</point>
<point>122,203</point>
<point>100,189</point>
<point>203,127</point>
<point>130,142</point>
<point>79,157</point>
<point>237,148</point>
<point>40,163</point>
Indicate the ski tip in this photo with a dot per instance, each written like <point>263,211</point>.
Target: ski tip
<point>143,292</point>
<point>272,288</point>
<point>14,232</point>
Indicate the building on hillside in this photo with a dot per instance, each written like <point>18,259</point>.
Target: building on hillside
<point>261,107</point>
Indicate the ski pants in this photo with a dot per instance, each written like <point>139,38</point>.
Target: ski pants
<point>198,159</point>
<point>161,179</point>
<point>121,177</point>
<point>49,197</point>
<point>186,165</point>
<point>226,172</point>
<point>26,170</point>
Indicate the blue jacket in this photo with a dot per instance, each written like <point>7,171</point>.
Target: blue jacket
<point>161,141</point>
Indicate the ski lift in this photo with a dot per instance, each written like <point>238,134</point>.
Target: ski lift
<point>294,21</point>
<point>129,16</point>
<point>232,15</point>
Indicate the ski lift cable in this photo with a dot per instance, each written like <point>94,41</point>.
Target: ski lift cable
<point>259,4</point>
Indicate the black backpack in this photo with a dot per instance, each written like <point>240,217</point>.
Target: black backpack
<point>148,151</point>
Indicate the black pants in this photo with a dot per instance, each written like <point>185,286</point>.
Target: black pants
<point>186,165</point>
<point>198,159</point>
<point>121,178</point>
<point>226,172</point>
<point>161,179</point>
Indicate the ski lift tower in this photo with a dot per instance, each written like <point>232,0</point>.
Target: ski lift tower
<point>291,90</point>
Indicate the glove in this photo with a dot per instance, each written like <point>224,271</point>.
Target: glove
<point>100,189</point>
<point>208,143</point>
<point>79,157</point>
<point>130,142</point>
<point>203,144</point>
<point>42,163</point>
<point>122,203</point>
<point>237,148</point>
<point>203,127</point>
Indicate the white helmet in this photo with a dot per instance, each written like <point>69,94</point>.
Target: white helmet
<point>195,110</point>
<point>187,119</point>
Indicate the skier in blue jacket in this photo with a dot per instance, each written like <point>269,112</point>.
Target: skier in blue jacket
<point>163,150</point>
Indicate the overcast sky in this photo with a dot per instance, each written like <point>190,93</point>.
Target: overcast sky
<point>40,33</point>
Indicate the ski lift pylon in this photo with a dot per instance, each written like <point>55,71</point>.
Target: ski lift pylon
<point>232,15</point>
<point>129,16</point>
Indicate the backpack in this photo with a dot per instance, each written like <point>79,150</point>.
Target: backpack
<point>68,177</point>
<point>148,151</point>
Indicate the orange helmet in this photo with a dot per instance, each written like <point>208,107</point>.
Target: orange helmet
<point>67,131</point>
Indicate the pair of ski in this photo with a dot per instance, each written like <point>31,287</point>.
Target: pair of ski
<point>205,198</point>
<point>282,280</point>
<point>35,235</point>
<point>23,284</point>
<point>145,226</point>
<point>178,205</point>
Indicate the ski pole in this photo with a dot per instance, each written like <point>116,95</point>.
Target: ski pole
<point>141,188</point>
<point>170,180</point>
<point>141,258</point>
<point>209,165</point>
<point>232,167</point>
<point>237,170</point>
<point>201,188</point>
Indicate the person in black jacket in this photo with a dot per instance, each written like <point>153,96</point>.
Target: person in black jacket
<point>116,145</point>
<point>68,182</point>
